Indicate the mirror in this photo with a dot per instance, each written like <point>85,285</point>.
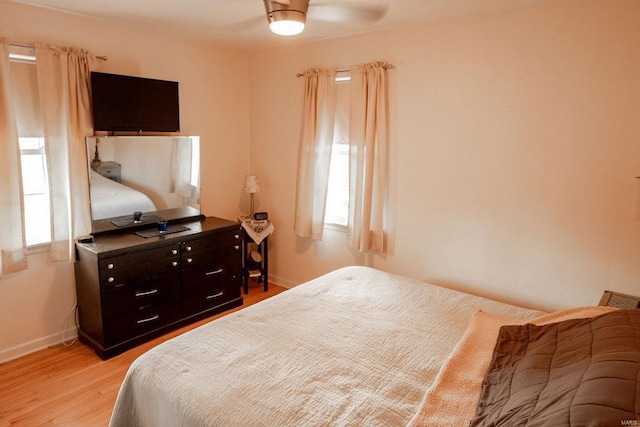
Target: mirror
<point>146,174</point>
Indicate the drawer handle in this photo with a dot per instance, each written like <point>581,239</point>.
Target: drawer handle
<point>110,266</point>
<point>189,260</point>
<point>237,236</point>
<point>145,293</point>
<point>174,251</point>
<point>236,247</point>
<point>219,294</point>
<point>110,279</point>
<point>188,248</point>
<point>211,273</point>
<point>174,263</point>
<point>148,319</point>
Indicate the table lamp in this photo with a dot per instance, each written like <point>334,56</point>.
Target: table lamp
<point>251,186</point>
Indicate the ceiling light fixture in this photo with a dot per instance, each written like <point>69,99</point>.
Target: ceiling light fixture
<point>286,17</point>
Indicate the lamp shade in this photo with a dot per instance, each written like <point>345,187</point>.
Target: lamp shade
<point>251,184</point>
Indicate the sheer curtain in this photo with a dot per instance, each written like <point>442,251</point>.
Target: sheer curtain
<point>314,152</point>
<point>63,85</point>
<point>368,139</point>
<point>12,240</point>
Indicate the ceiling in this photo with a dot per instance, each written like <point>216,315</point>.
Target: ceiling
<point>243,22</point>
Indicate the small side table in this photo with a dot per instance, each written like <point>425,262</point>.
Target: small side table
<point>263,271</point>
<point>110,170</point>
<point>256,233</point>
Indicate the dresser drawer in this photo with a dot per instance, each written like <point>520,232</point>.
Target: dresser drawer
<point>206,255</point>
<point>140,293</point>
<point>140,321</point>
<point>121,277</point>
<point>219,245</point>
<point>134,259</point>
<point>207,273</point>
<point>211,295</point>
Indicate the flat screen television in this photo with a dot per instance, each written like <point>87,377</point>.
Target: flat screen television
<point>134,104</point>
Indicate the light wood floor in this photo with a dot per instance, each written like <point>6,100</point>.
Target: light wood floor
<point>71,386</point>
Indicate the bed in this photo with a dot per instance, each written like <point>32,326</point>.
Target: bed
<point>356,347</point>
<point>111,199</point>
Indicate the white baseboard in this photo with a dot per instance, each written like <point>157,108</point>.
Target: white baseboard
<point>37,344</point>
<point>282,282</point>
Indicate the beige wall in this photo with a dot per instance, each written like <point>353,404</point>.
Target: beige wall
<point>516,140</point>
<point>213,104</point>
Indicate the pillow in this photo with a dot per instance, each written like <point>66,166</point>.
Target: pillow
<point>581,372</point>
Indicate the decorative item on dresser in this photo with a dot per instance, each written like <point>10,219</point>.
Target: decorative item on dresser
<point>131,289</point>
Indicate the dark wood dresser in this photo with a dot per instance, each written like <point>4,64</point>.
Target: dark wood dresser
<point>131,289</point>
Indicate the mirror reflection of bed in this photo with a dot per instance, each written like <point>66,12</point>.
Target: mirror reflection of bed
<point>155,173</point>
<point>110,198</point>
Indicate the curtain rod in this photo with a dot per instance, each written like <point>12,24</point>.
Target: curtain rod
<point>31,46</point>
<point>343,70</point>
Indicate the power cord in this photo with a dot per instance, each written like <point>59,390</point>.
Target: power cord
<point>73,310</point>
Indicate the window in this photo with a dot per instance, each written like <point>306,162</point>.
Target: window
<point>195,162</point>
<point>33,160</point>
<point>337,208</point>
<point>35,191</point>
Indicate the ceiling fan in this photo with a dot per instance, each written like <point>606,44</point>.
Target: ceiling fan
<point>288,17</point>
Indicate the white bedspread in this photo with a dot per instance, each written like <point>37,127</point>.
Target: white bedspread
<point>354,347</point>
<point>111,199</point>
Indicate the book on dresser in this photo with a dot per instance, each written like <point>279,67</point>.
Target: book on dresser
<point>131,289</point>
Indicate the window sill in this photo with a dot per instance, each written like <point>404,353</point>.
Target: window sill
<point>38,249</point>
<point>336,227</point>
